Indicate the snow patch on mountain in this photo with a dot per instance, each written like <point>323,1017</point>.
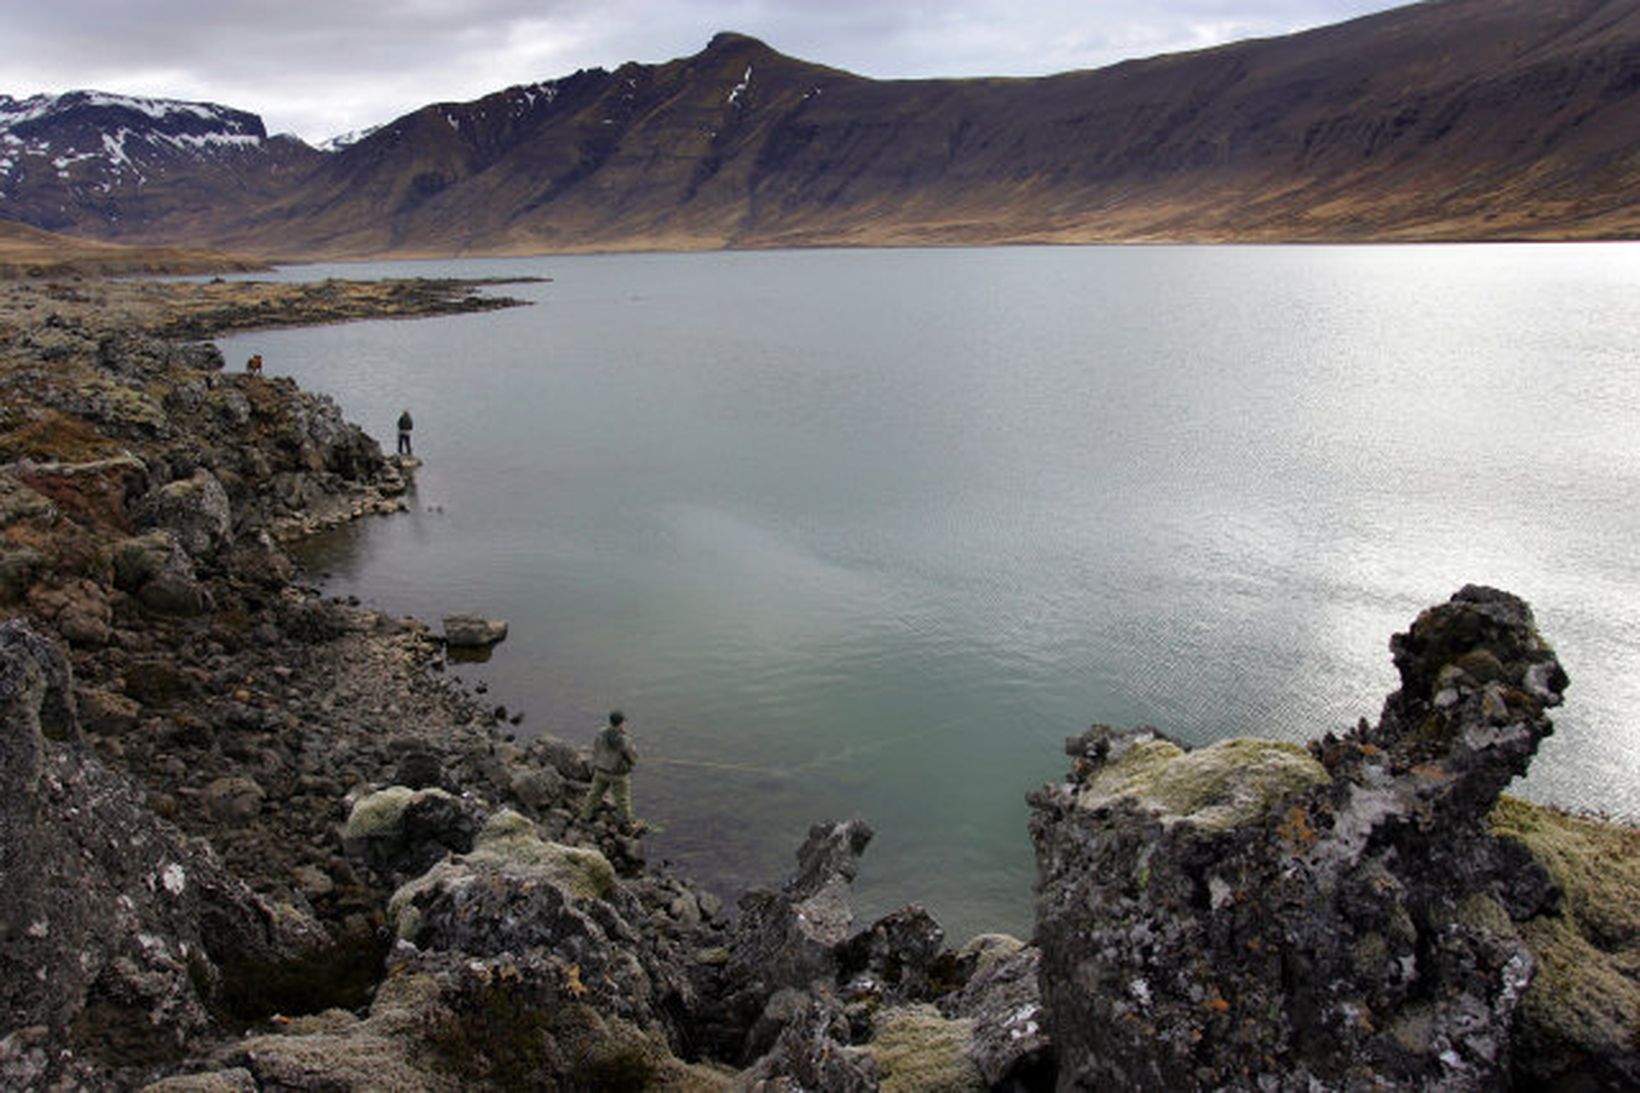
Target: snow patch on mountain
<point>97,138</point>
<point>740,88</point>
<point>347,139</point>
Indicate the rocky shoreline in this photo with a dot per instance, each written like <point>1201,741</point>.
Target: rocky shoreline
<point>255,839</point>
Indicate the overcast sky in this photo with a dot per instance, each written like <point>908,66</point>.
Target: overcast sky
<point>321,67</point>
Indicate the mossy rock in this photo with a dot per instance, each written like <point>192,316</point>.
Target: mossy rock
<point>118,406</point>
<point>20,504</point>
<point>381,1052</point>
<point>508,841</point>
<point>138,560</point>
<point>919,1051</point>
<point>509,838</point>
<point>1581,1013</point>
<point>1231,784</point>
<point>379,815</point>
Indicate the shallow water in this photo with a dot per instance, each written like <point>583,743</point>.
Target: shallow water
<point>871,532</point>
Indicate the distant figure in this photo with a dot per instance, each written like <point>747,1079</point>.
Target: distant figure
<point>405,425</point>
<point>613,758</point>
<point>254,365</point>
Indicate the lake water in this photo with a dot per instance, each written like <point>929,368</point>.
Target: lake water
<point>870,532</point>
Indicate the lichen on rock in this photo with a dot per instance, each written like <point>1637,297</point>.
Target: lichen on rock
<point>508,842</point>
<point>1250,916</point>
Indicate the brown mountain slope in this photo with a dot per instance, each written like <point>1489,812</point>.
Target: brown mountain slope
<point>1448,119</point>
<point>30,252</point>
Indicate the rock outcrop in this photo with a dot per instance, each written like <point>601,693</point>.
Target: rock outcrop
<point>1255,915</point>
<point>120,938</point>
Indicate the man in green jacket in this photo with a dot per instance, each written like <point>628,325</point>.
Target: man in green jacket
<point>613,758</point>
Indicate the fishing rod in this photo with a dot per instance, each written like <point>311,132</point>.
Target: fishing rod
<point>709,764</point>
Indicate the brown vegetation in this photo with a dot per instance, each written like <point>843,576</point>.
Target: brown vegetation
<point>30,252</point>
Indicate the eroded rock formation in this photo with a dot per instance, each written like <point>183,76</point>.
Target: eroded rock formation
<point>1257,915</point>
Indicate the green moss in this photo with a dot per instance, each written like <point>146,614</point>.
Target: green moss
<point>511,839</point>
<point>507,841</point>
<point>118,405</point>
<point>1132,774</point>
<point>135,561</point>
<point>378,815</point>
<point>1230,784</point>
<point>1370,953</point>
<point>917,1050</point>
<point>1585,998</point>
<point>1481,912</point>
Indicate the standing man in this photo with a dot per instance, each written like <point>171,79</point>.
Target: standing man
<point>613,758</point>
<point>405,425</point>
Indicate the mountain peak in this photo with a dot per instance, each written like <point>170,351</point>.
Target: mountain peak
<point>727,40</point>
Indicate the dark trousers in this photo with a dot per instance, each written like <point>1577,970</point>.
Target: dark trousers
<point>404,443</point>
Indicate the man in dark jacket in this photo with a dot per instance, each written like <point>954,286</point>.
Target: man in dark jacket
<point>405,425</point>
<point>613,758</point>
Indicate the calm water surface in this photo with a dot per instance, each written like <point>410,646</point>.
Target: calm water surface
<point>869,533</point>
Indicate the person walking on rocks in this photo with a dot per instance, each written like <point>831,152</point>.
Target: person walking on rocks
<point>405,425</point>
<point>613,758</point>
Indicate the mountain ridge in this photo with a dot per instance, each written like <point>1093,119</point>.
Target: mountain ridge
<point>1451,119</point>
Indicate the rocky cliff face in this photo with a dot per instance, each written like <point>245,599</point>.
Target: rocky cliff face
<point>1461,119</point>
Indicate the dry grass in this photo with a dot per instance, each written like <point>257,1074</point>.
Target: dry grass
<point>30,252</point>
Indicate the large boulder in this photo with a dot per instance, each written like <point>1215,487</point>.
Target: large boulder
<point>450,1022</point>
<point>79,609</point>
<point>436,910</point>
<point>516,897</point>
<point>1002,1003</point>
<point>1252,916</point>
<point>401,832</point>
<point>195,510</point>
